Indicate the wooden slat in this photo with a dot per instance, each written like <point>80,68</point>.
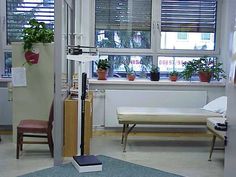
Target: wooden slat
<point>35,142</point>
<point>71,124</point>
<point>70,127</point>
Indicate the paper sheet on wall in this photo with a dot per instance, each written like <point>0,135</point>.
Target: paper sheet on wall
<point>19,77</point>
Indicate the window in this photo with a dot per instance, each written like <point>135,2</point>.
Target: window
<point>15,15</point>
<point>7,63</point>
<point>123,24</point>
<point>194,17</point>
<point>182,36</point>
<point>19,12</point>
<point>205,36</point>
<point>140,64</point>
<point>168,64</point>
<point>165,31</point>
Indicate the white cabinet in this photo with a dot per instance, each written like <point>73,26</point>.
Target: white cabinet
<point>5,106</point>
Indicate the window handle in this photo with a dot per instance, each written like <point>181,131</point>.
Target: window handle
<point>159,28</point>
<point>153,25</point>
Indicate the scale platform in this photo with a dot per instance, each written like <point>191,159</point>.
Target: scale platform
<point>87,163</point>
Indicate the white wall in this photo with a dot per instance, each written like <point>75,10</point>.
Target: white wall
<point>6,105</point>
<point>229,20</point>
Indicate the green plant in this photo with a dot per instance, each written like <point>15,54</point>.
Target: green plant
<point>204,64</point>
<point>129,70</point>
<point>103,64</point>
<point>174,73</point>
<point>154,69</point>
<point>189,70</point>
<point>37,32</point>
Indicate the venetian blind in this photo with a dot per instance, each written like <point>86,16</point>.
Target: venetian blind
<point>123,14</point>
<point>188,16</point>
<point>19,12</point>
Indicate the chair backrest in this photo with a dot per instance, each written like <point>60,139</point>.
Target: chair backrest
<point>51,116</point>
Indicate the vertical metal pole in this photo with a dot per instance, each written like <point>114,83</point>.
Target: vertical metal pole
<point>82,125</point>
<point>1,39</point>
<point>58,101</point>
<point>80,70</point>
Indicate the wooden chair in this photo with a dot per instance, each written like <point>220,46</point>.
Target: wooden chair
<point>37,129</point>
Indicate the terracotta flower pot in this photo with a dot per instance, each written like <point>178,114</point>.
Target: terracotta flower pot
<point>32,57</point>
<point>205,76</point>
<point>173,78</point>
<point>155,76</point>
<point>102,74</point>
<point>131,77</point>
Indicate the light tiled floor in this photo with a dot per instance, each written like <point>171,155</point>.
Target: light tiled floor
<point>32,159</point>
<point>186,156</point>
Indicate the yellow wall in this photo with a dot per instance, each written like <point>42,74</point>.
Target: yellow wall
<point>34,100</point>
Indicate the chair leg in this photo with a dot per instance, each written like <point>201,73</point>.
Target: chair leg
<point>18,145</point>
<point>50,142</point>
<point>212,146</point>
<point>21,142</point>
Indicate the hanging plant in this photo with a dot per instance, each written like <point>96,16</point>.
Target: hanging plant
<point>37,32</point>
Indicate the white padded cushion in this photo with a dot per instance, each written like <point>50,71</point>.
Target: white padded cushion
<point>158,115</point>
<point>218,105</point>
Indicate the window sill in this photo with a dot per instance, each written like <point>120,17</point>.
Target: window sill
<point>111,81</point>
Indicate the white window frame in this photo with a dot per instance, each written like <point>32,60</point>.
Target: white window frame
<point>4,26</point>
<point>3,47</point>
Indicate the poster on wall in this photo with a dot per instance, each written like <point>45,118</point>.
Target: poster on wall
<point>19,77</point>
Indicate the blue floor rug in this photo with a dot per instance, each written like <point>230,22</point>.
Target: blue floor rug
<point>111,168</point>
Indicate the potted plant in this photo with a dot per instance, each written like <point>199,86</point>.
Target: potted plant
<point>155,73</point>
<point>206,68</point>
<point>37,32</point>
<point>130,73</point>
<point>102,66</point>
<point>173,75</point>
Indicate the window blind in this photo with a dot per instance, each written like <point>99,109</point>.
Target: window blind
<point>123,14</point>
<point>188,16</point>
<point>19,12</point>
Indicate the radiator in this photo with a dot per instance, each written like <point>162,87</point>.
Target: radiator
<point>149,98</point>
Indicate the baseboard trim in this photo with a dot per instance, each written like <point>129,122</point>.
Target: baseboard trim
<point>5,129</point>
<point>161,134</point>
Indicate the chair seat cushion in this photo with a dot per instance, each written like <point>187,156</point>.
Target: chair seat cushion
<point>33,126</point>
